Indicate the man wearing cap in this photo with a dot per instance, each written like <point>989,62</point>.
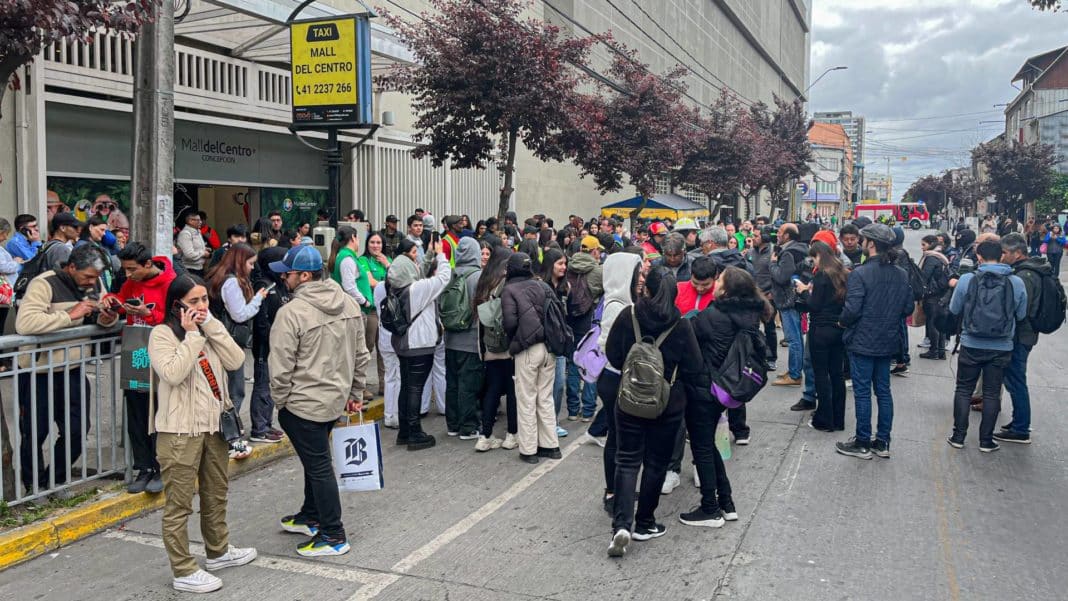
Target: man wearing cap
<point>391,237</point>
<point>585,279</point>
<point>688,228</point>
<point>657,233</point>
<point>878,297</point>
<point>451,240</point>
<point>317,360</point>
<point>65,230</point>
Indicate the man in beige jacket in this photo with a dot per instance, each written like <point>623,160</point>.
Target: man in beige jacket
<point>55,300</point>
<point>317,361</point>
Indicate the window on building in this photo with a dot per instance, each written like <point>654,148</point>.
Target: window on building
<point>827,187</point>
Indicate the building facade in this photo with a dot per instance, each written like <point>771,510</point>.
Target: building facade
<point>67,135</point>
<point>855,128</point>
<point>1039,113</point>
<point>828,188</point>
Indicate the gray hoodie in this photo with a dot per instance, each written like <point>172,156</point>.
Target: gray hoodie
<point>618,275</point>
<point>469,263</point>
<point>424,333</point>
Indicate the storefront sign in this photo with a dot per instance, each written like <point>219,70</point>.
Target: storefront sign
<point>331,81</point>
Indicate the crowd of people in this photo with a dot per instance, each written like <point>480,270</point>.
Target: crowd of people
<point>461,316</point>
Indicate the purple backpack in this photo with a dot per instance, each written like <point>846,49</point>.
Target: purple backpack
<point>588,356</point>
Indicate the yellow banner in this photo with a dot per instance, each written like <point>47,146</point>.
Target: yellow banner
<point>324,65</point>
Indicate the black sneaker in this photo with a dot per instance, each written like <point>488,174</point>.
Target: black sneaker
<point>420,441</point>
<point>402,440</point>
<point>155,485</point>
<point>933,355</point>
<point>956,441</point>
<point>550,453</point>
<point>729,512</point>
<point>531,459</point>
<point>803,405</point>
<point>649,532</point>
<point>609,501</point>
<point>699,517</point>
<point>854,449</point>
<point>989,447</point>
<point>901,369</point>
<point>140,482</point>
<point>1010,436</point>
<point>880,448</point>
<point>299,525</point>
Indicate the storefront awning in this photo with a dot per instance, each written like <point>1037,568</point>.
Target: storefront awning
<point>255,29</point>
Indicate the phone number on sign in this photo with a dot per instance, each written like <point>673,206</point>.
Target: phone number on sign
<point>323,88</point>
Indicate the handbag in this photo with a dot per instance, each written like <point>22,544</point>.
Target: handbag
<point>7,292</point>
<point>229,420</point>
<point>588,356</point>
<point>918,317</point>
<point>356,451</point>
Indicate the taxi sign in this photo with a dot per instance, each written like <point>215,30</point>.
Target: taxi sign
<point>330,72</point>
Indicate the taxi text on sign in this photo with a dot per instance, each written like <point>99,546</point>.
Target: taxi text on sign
<point>330,64</point>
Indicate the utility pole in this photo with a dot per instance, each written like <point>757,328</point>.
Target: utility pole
<point>152,185</point>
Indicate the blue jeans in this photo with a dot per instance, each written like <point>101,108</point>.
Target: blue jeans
<point>791,329</point>
<point>1016,384</point>
<point>809,393</point>
<point>866,372</point>
<point>559,382</point>
<point>589,392</point>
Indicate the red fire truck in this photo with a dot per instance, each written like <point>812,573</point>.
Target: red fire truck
<point>910,214</point>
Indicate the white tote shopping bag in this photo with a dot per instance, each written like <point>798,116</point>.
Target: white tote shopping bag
<point>357,451</point>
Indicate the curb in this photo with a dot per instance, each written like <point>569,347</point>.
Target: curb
<point>25,543</point>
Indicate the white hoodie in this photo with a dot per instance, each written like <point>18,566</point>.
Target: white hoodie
<point>618,272</point>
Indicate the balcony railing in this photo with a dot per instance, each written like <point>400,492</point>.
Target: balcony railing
<point>203,80</point>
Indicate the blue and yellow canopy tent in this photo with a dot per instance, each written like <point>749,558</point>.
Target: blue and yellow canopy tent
<point>660,206</point>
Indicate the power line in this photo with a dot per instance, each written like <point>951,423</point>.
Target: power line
<point>933,117</point>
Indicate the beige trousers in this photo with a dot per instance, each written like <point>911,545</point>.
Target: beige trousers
<point>535,369</point>
<point>183,459</point>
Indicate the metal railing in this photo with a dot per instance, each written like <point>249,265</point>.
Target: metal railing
<point>63,412</point>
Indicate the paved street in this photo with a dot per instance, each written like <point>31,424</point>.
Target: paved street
<point>929,523</point>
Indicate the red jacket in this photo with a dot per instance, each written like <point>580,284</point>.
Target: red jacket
<point>211,237</point>
<point>450,241</point>
<point>153,293</point>
<point>688,300</point>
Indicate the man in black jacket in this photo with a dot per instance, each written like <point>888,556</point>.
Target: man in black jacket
<point>786,265</point>
<point>261,405</point>
<point>759,259</point>
<point>878,298</point>
<point>1031,270</point>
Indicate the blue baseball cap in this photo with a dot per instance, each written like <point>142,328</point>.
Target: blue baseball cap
<point>299,258</point>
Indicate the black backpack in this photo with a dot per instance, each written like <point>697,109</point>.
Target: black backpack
<point>938,283</point>
<point>580,300</point>
<point>559,338</point>
<point>31,269</point>
<point>916,279</point>
<point>989,307</point>
<point>1052,303</point>
<point>744,372</point>
<point>394,313</point>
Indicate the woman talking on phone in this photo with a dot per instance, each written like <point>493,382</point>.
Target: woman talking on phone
<point>189,352</point>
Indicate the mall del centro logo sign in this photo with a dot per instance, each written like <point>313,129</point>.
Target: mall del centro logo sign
<point>216,150</point>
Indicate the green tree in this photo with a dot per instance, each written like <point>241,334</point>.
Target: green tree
<point>1018,172</point>
<point>1056,199</point>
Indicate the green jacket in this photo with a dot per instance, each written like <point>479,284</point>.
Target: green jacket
<point>369,267</point>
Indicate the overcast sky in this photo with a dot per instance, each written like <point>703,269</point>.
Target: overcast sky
<point>929,59</point>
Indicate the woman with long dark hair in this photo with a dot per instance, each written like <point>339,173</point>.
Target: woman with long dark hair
<point>648,443</point>
<point>188,352</point>
<point>553,272</point>
<point>933,265</point>
<point>500,366</point>
<point>739,305</point>
<point>824,297</point>
<point>93,234</point>
<point>230,290</point>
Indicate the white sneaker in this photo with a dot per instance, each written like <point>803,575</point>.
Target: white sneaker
<point>509,442</point>
<point>671,482</point>
<point>619,543</point>
<point>234,557</point>
<point>197,582</point>
<point>487,444</point>
<point>588,438</point>
<point>696,478</point>
<point>925,344</point>
<point>391,421</point>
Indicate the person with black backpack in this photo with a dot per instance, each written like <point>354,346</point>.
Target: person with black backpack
<point>934,266</point>
<point>990,302</point>
<point>523,314</point>
<point>659,361</point>
<point>739,309</point>
<point>1045,314</point>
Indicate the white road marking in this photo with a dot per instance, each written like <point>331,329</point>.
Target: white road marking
<point>370,591</point>
<point>797,468</point>
<point>306,568</point>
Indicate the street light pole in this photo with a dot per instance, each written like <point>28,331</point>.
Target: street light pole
<point>822,75</point>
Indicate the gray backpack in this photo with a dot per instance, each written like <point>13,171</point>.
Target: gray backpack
<point>643,389</point>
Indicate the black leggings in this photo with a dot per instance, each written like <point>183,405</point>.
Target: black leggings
<point>499,381</point>
<point>828,350</point>
<point>608,390</point>
<point>936,338</point>
<point>702,417</point>
<point>414,373</point>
